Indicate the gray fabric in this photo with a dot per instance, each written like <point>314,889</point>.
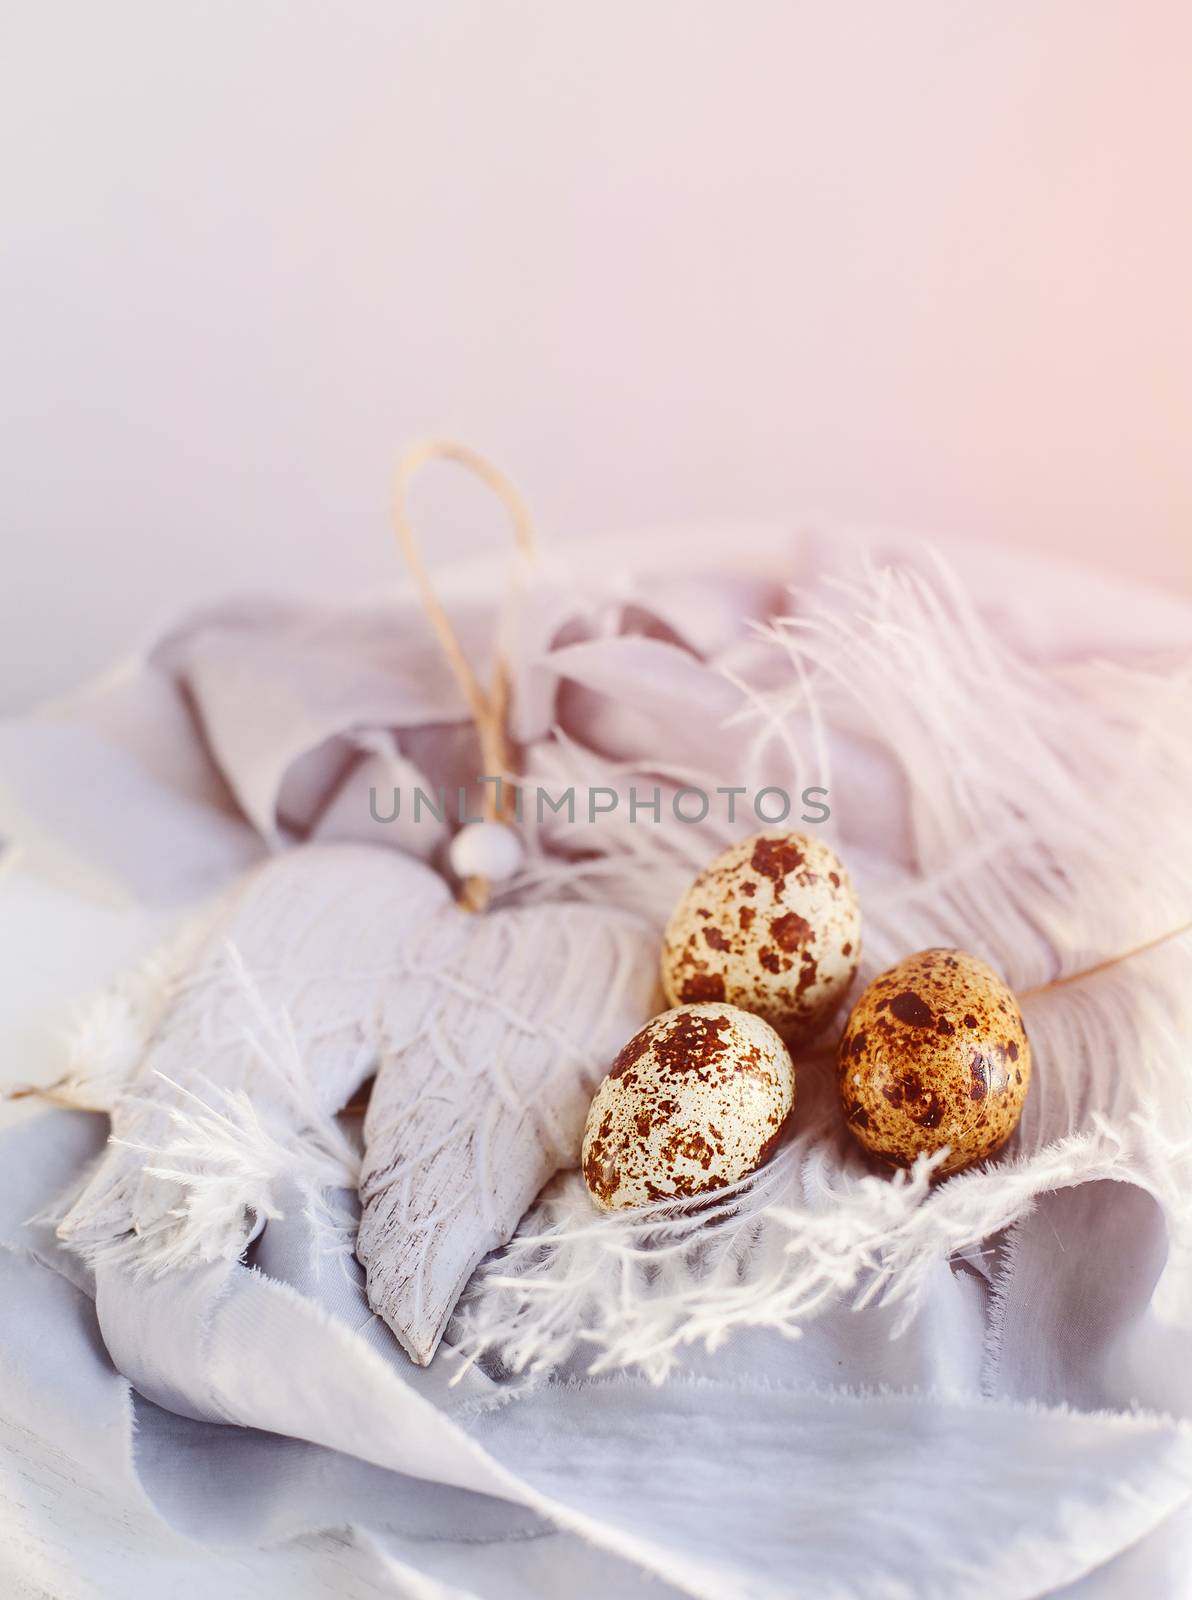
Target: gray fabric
<point>762,1478</point>
<point>252,1429</point>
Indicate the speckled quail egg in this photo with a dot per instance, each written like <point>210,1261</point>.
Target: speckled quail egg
<point>694,1101</point>
<point>773,926</point>
<point>934,1053</point>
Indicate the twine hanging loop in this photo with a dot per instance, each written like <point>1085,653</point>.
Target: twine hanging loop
<point>489,706</point>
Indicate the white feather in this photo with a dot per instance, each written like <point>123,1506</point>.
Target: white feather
<point>1045,814</point>
<point>106,1037</point>
<point>234,1157</point>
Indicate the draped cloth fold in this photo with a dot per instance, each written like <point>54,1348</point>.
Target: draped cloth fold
<point>249,1427</point>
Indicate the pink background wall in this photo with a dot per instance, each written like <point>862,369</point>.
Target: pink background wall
<point>926,265</point>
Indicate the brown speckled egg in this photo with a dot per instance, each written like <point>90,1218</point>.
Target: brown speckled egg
<point>694,1101</point>
<point>934,1052</point>
<point>773,926</point>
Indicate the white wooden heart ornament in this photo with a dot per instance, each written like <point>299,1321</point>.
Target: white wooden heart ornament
<point>487,1031</point>
<point>487,1034</point>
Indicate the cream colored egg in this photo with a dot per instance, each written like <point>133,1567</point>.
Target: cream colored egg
<point>773,926</point>
<point>934,1053</point>
<point>694,1101</point>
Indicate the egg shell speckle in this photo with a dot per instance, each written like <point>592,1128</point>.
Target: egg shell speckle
<point>934,1053</point>
<point>694,1101</point>
<point>773,926</point>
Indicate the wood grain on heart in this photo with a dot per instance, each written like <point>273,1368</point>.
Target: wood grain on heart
<point>472,1117</point>
<point>487,1034</point>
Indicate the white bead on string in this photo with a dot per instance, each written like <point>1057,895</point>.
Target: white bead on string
<point>488,850</point>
